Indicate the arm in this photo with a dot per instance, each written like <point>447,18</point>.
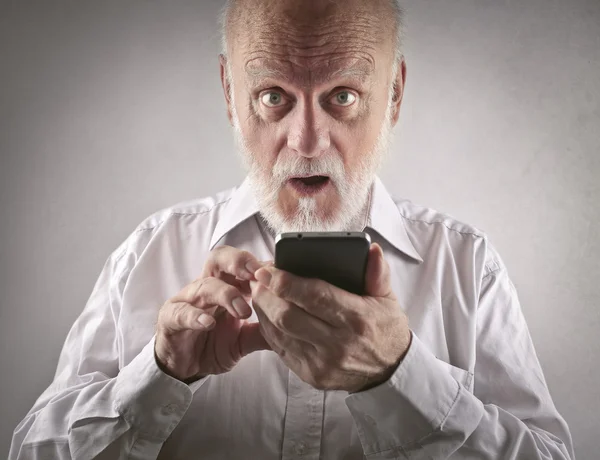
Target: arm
<point>510,415</point>
<point>94,409</point>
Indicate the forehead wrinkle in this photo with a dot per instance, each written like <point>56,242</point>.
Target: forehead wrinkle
<point>309,28</point>
<point>358,70</point>
<point>309,45</point>
<point>258,74</point>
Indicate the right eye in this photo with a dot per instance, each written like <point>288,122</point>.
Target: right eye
<point>272,99</point>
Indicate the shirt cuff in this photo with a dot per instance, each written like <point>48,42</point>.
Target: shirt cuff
<point>412,404</point>
<point>150,400</point>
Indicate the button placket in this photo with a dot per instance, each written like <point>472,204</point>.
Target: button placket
<point>303,421</point>
<point>300,448</point>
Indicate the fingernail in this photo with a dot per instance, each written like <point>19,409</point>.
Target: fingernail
<point>246,274</point>
<point>264,276</point>
<point>241,307</point>
<point>252,266</point>
<point>206,320</point>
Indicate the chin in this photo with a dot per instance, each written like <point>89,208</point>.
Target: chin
<point>333,208</point>
<point>311,212</point>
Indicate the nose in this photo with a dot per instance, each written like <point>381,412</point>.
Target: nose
<point>308,134</point>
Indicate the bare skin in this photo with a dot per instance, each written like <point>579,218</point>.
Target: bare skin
<point>202,329</point>
<point>311,78</point>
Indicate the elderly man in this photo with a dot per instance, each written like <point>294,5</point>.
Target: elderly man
<point>242,360</point>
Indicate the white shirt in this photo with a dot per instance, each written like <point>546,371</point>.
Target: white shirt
<point>470,385</point>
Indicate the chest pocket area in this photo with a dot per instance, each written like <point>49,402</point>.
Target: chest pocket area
<point>465,378</point>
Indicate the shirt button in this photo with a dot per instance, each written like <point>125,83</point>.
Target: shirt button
<point>169,409</point>
<point>370,420</point>
<point>300,448</point>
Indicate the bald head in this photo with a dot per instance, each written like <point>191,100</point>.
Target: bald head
<point>246,21</point>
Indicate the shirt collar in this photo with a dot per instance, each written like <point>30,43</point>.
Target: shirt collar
<point>384,217</point>
<point>241,206</point>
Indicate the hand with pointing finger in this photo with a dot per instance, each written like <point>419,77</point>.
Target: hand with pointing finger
<point>203,329</point>
<point>331,338</point>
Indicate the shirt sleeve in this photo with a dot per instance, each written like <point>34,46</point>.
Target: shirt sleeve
<point>427,409</point>
<point>94,409</point>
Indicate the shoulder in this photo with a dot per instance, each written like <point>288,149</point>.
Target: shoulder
<point>199,208</point>
<point>415,215</point>
<point>196,217</point>
<point>432,230</point>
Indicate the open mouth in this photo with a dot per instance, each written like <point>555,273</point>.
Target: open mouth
<point>309,185</point>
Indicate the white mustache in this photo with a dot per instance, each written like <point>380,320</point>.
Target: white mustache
<point>286,168</point>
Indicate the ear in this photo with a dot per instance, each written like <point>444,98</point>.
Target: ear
<point>225,83</point>
<point>398,83</point>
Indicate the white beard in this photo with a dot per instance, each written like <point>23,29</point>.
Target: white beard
<point>353,188</point>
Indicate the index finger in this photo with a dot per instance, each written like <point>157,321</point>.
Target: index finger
<point>317,297</point>
<point>227,260</point>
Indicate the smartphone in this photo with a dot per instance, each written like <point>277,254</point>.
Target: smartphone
<point>340,258</point>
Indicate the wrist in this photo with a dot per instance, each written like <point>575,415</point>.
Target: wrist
<point>389,371</point>
<point>164,367</point>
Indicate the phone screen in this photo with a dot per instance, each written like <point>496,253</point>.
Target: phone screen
<point>340,258</point>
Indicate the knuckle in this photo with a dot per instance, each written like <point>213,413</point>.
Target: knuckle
<point>213,290</point>
<point>210,263</point>
<point>199,287</point>
<point>179,314</point>
<point>323,297</point>
<point>232,260</point>
<point>283,319</point>
<point>243,256</point>
<point>161,321</point>
<point>228,293</point>
<point>213,261</point>
<point>281,284</point>
<point>318,376</point>
<point>169,316</point>
<point>355,322</point>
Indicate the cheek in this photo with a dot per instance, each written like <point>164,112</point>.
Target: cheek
<point>355,142</point>
<point>261,140</point>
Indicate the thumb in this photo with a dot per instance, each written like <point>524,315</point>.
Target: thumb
<point>251,339</point>
<point>377,276</point>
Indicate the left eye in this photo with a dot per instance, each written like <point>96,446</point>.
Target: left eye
<point>344,98</point>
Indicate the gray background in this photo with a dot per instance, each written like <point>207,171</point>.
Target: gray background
<point>110,110</point>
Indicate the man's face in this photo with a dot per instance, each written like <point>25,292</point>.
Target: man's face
<point>311,107</point>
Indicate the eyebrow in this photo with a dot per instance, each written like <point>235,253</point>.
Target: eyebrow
<point>354,72</point>
<point>263,73</point>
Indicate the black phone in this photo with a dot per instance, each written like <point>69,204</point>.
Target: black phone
<point>340,258</point>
